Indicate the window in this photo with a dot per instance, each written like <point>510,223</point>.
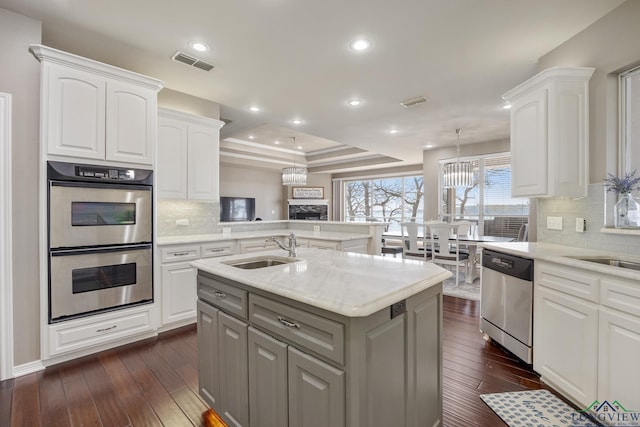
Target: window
<point>629,121</point>
<point>389,199</point>
<point>488,202</point>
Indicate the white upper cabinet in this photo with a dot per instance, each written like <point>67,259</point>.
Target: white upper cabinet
<point>188,161</point>
<point>550,134</point>
<point>95,111</point>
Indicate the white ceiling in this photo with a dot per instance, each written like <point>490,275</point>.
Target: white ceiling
<point>291,58</point>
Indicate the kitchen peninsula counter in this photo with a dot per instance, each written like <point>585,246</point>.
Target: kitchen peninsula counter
<point>335,338</point>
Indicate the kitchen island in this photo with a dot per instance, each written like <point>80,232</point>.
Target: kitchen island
<point>326,338</point>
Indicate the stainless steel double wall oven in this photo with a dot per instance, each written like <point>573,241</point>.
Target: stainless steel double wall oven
<point>100,238</point>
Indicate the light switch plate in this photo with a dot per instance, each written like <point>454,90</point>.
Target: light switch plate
<point>581,225</point>
<point>316,228</point>
<point>184,221</point>
<point>554,223</point>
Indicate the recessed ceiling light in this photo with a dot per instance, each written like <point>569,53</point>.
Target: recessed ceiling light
<point>299,147</point>
<point>276,142</point>
<point>507,106</point>
<point>199,46</point>
<point>354,102</point>
<point>428,146</point>
<point>252,136</point>
<point>254,108</point>
<point>297,121</point>
<point>360,44</point>
<point>393,131</point>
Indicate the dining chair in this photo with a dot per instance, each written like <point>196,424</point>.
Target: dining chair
<point>523,233</point>
<point>410,238</point>
<point>445,247</point>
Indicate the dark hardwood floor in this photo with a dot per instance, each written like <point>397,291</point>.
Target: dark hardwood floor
<point>154,382</point>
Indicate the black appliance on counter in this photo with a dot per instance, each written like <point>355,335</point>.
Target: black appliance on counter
<point>100,238</point>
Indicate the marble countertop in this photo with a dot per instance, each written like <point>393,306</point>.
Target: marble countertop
<point>566,255</point>
<point>350,284</point>
<point>259,234</point>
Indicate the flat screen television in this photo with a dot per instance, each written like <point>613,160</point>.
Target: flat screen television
<point>237,209</point>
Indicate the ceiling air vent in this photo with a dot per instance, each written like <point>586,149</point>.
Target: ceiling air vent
<point>413,101</point>
<point>190,60</point>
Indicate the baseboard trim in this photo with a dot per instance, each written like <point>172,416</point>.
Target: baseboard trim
<point>28,368</point>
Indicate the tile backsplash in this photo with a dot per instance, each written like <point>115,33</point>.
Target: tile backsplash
<point>203,217</point>
<point>592,210</point>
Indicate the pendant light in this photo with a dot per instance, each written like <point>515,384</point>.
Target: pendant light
<point>458,174</point>
<point>294,175</point>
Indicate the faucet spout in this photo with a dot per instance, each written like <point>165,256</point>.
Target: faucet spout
<point>291,248</point>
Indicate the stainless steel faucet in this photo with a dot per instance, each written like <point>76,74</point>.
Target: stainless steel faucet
<point>291,248</point>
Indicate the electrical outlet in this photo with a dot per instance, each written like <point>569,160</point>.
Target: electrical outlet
<point>316,228</point>
<point>554,223</point>
<point>184,221</point>
<point>581,225</point>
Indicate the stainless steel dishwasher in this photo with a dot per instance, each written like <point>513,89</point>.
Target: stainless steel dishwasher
<point>506,303</point>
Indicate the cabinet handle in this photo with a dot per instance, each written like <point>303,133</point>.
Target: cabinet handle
<point>216,250</point>
<point>180,253</point>
<point>107,329</point>
<point>219,294</point>
<point>288,323</point>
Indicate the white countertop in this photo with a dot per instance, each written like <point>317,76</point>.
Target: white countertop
<point>353,285</point>
<point>258,234</point>
<point>563,255</point>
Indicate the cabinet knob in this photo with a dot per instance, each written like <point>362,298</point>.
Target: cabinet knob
<point>219,294</point>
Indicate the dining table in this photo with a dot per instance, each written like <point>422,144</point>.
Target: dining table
<point>471,241</point>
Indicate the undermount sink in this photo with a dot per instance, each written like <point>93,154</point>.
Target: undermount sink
<point>631,265</point>
<point>260,262</point>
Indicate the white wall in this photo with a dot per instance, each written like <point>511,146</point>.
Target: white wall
<point>265,185</point>
<point>20,76</point>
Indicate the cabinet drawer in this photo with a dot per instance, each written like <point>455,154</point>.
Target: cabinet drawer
<point>573,281</point>
<point>181,253</point>
<point>223,295</point>
<point>620,294</point>
<point>81,333</point>
<point>217,249</point>
<point>324,244</point>
<point>318,334</point>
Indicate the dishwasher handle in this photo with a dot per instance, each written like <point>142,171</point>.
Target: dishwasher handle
<point>510,265</point>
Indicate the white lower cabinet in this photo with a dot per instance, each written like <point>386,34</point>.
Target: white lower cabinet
<point>587,334</point>
<point>267,361</point>
<point>178,292</point>
<point>566,343</point>
<point>618,372</point>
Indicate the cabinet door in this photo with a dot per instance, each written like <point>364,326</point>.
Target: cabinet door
<point>179,282</point>
<point>618,373</point>
<point>171,163</point>
<point>131,123</point>
<point>208,355</point>
<point>204,159</point>
<point>256,245</point>
<point>74,115</point>
<point>234,372</point>
<point>529,145</point>
<point>565,349</point>
<point>267,380</point>
<point>316,392</point>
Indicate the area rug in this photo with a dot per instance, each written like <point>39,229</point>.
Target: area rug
<point>461,290</point>
<point>535,408</point>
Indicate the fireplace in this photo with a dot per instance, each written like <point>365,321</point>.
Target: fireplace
<point>309,210</point>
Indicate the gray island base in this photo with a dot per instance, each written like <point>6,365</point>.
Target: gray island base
<point>325,339</point>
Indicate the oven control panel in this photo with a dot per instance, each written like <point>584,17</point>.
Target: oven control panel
<point>105,173</point>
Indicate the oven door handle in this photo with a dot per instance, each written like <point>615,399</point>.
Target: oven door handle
<point>99,250</point>
<point>100,185</point>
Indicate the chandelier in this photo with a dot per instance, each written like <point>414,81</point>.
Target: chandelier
<point>458,174</point>
<point>294,175</point>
